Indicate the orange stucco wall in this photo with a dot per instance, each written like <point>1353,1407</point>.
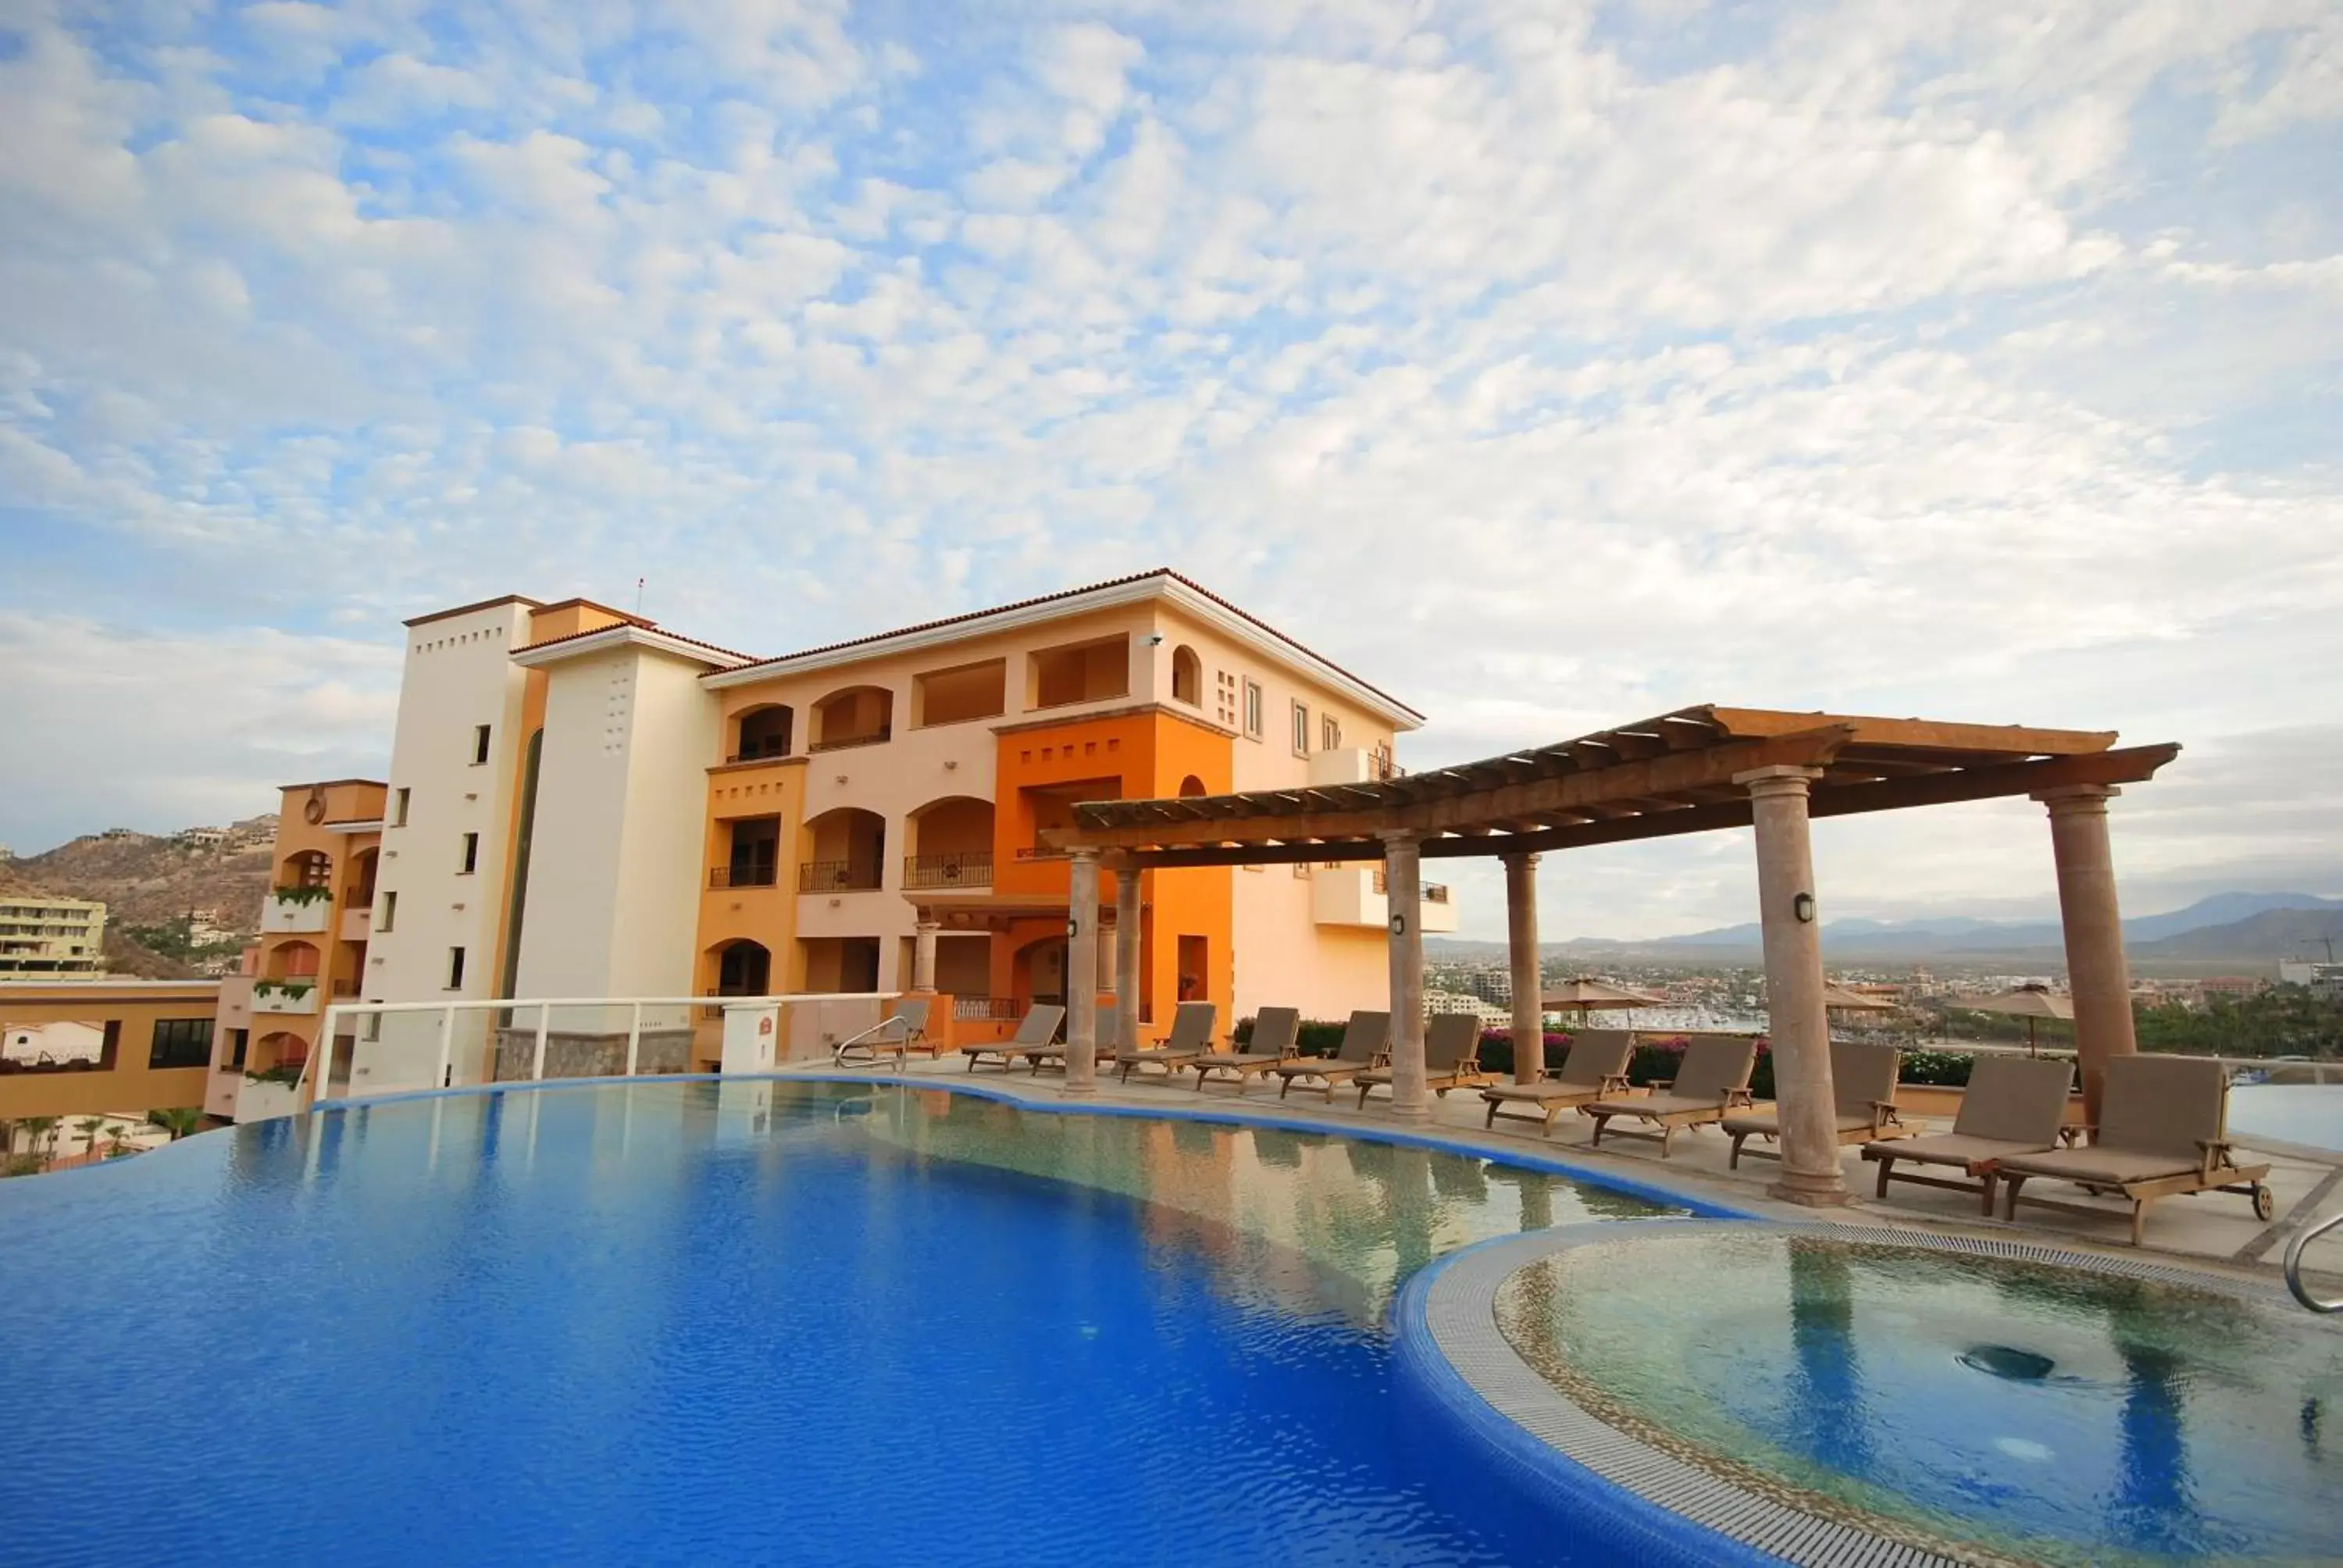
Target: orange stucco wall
<point>1146,754</point>
<point>131,1086</point>
<point>341,944</point>
<point>773,787</point>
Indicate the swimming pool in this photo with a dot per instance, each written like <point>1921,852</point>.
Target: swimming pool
<point>1971,1397</point>
<point>747,1321</point>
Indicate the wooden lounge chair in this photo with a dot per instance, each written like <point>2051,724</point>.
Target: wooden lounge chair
<point>1103,1049</point>
<point>1712,1081</point>
<point>900,1032</point>
<point>1451,1056</point>
<point>1038,1027</point>
<point>1863,1084</point>
<point>1364,1040</point>
<point>1274,1031</point>
<point>2163,1131</point>
<point>1190,1037</point>
<point>1596,1067</point>
<point>2014,1105</point>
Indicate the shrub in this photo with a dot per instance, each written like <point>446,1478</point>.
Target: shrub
<point>301,895</point>
<point>1937,1069</point>
<point>1497,1050</point>
<point>287,1073</point>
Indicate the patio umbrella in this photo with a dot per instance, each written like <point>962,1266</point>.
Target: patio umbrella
<point>1836,997</point>
<point>2031,1003</point>
<point>1586,994</point>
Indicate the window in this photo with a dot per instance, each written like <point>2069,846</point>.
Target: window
<point>1253,721</point>
<point>471,855</point>
<point>1301,731</point>
<point>961,693</point>
<point>399,818</point>
<point>389,912</point>
<point>1187,676</point>
<point>1330,733</point>
<point>455,969</point>
<point>181,1042</point>
<point>479,745</point>
<point>239,1041</point>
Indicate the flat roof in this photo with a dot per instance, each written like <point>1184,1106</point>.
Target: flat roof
<point>469,608</point>
<point>1669,775</point>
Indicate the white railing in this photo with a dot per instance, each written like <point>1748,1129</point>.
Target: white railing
<point>317,1077</point>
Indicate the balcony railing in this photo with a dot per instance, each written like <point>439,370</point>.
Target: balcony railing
<point>971,869</point>
<point>1433,892</point>
<point>988,1009</point>
<point>767,753</point>
<point>838,876</point>
<point>743,876</point>
<point>1039,852</point>
<point>843,741</point>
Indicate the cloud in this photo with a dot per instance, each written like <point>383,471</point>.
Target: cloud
<point>227,709</point>
<point>1553,364</point>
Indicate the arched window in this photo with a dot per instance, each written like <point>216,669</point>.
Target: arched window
<point>744,969</point>
<point>844,850</point>
<point>309,869</point>
<point>1191,787</point>
<point>858,715</point>
<point>764,732</point>
<point>294,961</point>
<point>1187,676</point>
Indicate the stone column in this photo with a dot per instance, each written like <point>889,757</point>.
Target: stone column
<point>1522,934</point>
<point>1403,884</point>
<point>2096,973</point>
<point>923,955</point>
<point>1082,974</point>
<point>1797,1025</point>
<point>1127,926</point>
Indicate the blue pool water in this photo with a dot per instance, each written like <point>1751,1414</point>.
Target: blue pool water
<point>2045,1414</point>
<point>685,1322</point>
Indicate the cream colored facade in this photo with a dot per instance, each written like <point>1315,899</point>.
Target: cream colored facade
<point>45,938</point>
<point>658,816</point>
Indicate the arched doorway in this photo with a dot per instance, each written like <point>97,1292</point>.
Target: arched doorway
<point>1187,676</point>
<point>743,968</point>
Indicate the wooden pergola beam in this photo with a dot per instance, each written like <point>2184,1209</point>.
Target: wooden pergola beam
<point>1590,792</point>
<point>2131,765</point>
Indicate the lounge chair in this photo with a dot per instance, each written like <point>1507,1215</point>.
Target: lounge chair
<point>1274,1031</point>
<point>900,1032</point>
<point>1038,1027</point>
<point>1713,1081</point>
<point>1596,1067</point>
<point>2163,1133</point>
<point>1190,1037</point>
<point>2014,1105</point>
<point>1364,1039</point>
<point>1054,1053</point>
<point>1863,1085</point>
<point>1451,1056</point>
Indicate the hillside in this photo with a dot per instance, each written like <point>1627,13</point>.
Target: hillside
<point>2270,935</point>
<point>146,881</point>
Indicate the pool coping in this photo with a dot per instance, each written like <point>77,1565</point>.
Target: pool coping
<point>1452,1346</point>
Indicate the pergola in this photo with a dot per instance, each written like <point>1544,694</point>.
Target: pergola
<point>1695,770</point>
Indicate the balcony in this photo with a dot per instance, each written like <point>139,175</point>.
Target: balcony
<point>285,996</point>
<point>969,868</point>
<point>1354,895</point>
<point>837,876</point>
<point>297,909</point>
<point>357,921</point>
<point>843,741</point>
<point>743,876</point>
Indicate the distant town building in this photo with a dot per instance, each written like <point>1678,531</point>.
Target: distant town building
<point>2323,981</point>
<point>6,853</point>
<point>45,938</point>
<point>203,838</point>
<point>2232,985</point>
<point>122,833</point>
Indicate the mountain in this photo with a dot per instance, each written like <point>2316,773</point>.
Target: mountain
<point>146,880</point>
<point>1961,933</point>
<point>2268,936</point>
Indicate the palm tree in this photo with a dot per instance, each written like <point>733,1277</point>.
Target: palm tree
<point>43,1129</point>
<point>177,1120</point>
<point>89,1127</point>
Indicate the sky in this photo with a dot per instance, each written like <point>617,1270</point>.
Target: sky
<point>1551,365</point>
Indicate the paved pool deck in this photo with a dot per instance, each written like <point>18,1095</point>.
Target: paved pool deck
<point>2213,1231</point>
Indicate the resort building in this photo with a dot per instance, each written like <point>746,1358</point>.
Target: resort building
<point>103,1046</point>
<point>583,804</point>
<point>43,937</point>
<point>314,925</point>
